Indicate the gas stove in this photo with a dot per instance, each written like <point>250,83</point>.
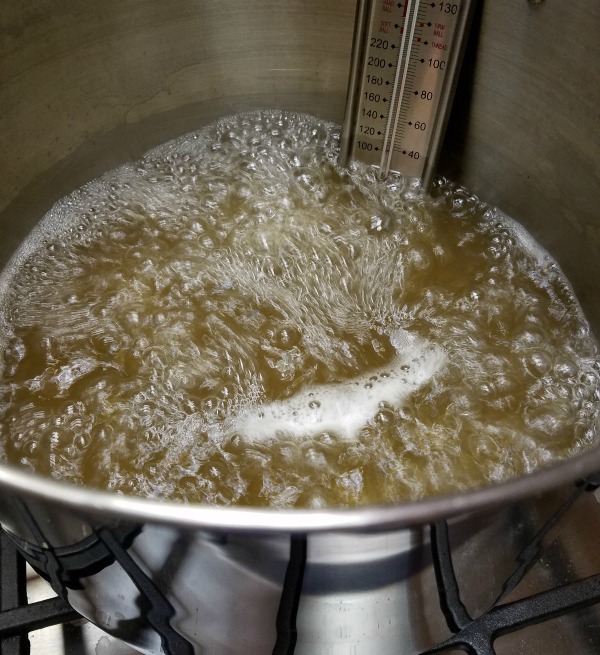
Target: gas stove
<point>550,603</point>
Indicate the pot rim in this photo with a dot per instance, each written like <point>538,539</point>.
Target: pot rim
<point>369,518</point>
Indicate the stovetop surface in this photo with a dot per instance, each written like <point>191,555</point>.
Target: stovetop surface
<point>74,638</point>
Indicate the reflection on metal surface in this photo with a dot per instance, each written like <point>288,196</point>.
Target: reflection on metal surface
<point>555,573</point>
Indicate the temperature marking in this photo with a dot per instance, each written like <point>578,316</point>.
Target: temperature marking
<point>403,73</point>
<point>403,67</point>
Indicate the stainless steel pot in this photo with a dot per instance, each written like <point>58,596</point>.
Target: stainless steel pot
<point>86,86</point>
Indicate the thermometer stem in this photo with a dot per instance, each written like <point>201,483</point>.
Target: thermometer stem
<point>401,71</point>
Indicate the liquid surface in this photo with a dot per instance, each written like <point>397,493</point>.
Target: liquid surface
<point>233,319</point>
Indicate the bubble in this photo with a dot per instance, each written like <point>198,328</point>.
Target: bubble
<point>378,223</point>
<point>539,363</point>
<point>286,337</point>
<point>565,369</point>
<point>210,403</point>
<point>226,391</point>
<point>385,417</point>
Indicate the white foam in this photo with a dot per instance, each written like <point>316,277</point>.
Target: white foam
<point>344,408</point>
<point>526,240</point>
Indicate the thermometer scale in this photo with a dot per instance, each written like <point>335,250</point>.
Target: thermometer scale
<point>405,61</point>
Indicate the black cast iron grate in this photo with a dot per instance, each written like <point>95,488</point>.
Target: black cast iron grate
<point>477,636</point>
<point>474,636</point>
<point>17,617</point>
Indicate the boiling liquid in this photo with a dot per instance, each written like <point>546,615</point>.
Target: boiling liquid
<point>234,319</point>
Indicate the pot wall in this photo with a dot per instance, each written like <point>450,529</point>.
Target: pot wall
<point>167,590</point>
<point>90,85</point>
